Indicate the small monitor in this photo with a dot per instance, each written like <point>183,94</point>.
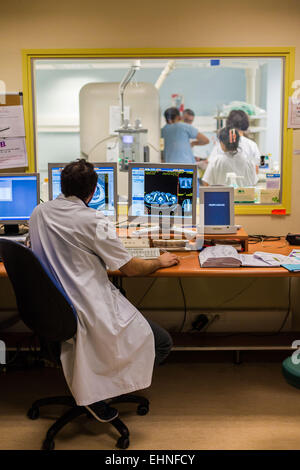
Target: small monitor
<point>217,209</point>
<point>162,190</point>
<point>105,196</point>
<point>19,195</point>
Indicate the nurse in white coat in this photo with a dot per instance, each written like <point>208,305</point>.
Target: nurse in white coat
<point>114,348</point>
<point>239,120</point>
<point>230,159</point>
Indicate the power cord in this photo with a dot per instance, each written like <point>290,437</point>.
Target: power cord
<point>184,305</point>
<point>266,334</point>
<point>146,292</point>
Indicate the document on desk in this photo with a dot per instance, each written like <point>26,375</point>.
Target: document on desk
<point>292,263</point>
<point>223,256</point>
<point>219,256</point>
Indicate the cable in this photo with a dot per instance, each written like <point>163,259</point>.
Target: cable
<point>237,294</point>
<point>265,334</point>
<point>184,306</point>
<point>98,143</point>
<point>117,224</point>
<point>146,292</point>
<point>154,148</point>
<point>261,238</point>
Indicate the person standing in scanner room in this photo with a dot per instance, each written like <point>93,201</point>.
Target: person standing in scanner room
<point>239,120</point>
<point>115,346</point>
<point>230,158</point>
<point>177,135</point>
<point>188,116</point>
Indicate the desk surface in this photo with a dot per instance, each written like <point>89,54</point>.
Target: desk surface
<point>189,265</point>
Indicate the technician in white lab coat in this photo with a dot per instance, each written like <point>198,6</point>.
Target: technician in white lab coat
<point>114,349</point>
<point>239,120</point>
<point>230,159</point>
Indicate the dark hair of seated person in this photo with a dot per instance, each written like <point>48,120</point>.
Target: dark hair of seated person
<point>78,179</point>
<point>239,119</point>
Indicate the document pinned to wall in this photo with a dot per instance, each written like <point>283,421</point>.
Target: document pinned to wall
<point>12,137</point>
<point>13,152</point>
<point>294,113</point>
<point>12,121</point>
<point>115,117</point>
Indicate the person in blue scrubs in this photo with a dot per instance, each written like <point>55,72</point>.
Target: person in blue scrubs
<point>177,135</point>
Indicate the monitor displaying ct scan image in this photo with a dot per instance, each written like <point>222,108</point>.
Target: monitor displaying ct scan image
<point>105,196</point>
<point>163,190</point>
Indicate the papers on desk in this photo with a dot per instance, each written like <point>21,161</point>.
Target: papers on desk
<point>223,256</point>
<point>219,256</point>
<point>293,261</point>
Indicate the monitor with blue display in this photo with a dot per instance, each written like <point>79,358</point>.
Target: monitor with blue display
<point>19,195</point>
<point>162,190</point>
<point>105,196</point>
<point>217,209</point>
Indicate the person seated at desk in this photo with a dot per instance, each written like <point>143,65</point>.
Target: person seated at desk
<point>230,159</point>
<point>115,346</point>
<point>239,120</point>
<point>177,135</point>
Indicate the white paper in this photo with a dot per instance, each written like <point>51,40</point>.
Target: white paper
<point>112,151</point>
<point>294,113</point>
<point>12,121</point>
<point>13,152</point>
<point>115,117</point>
<point>219,256</point>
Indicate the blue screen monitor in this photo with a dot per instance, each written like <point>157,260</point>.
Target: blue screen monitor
<point>216,207</point>
<point>161,190</point>
<point>19,195</point>
<point>105,196</point>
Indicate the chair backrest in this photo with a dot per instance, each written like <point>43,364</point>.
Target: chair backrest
<point>42,303</point>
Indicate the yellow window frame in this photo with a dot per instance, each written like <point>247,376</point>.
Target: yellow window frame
<point>287,53</point>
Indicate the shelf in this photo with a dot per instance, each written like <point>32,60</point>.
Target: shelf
<point>233,341</point>
<point>58,129</point>
<point>262,116</point>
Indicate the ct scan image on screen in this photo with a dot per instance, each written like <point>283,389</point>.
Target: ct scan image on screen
<point>168,192</point>
<point>100,200</point>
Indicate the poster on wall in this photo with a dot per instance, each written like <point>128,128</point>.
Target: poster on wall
<point>12,137</point>
<point>12,121</point>
<point>13,152</point>
<point>294,113</point>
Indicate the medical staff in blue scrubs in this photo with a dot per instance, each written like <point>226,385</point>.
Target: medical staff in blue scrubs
<point>177,135</point>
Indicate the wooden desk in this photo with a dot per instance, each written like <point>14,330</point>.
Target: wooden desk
<point>190,267</point>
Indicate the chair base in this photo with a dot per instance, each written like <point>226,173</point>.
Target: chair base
<point>75,411</point>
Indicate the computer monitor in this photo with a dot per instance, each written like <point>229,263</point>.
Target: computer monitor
<point>217,209</point>
<point>19,195</point>
<point>105,196</point>
<point>162,190</point>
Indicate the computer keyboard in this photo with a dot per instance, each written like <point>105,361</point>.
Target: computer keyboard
<point>145,253</point>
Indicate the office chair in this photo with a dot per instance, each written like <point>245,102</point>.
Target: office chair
<point>46,309</point>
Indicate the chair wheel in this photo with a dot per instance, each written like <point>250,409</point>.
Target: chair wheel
<point>142,410</point>
<point>48,444</point>
<point>122,443</point>
<point>33,413</point>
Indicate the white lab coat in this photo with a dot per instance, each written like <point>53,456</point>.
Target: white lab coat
<point>247,146</point>
<point>225,162</point>
<point>113,350</point>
